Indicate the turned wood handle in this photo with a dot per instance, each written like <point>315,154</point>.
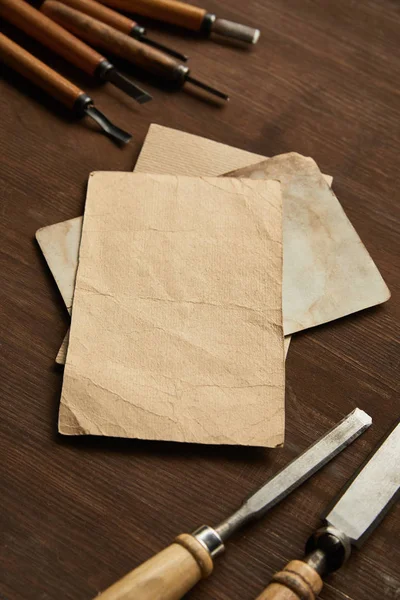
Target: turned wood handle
<point>51,35</point>
<point>170,11</point>
<point>103,13</point>
<point>102,35</point>
<point>169,575</point>
<point>36,71</point>
<point>297,581</point>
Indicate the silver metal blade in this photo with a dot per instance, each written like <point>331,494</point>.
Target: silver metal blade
<point>370,494</point>
<point>300,469</point>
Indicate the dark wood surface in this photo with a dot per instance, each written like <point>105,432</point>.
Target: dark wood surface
<point>75,514</point>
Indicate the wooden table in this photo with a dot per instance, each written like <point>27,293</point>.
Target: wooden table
<point>78,513</point>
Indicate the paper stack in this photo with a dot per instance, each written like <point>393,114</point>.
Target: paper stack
<point>181,298</point>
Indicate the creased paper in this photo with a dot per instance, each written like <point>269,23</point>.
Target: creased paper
<point>166,151</point>
<point>327,271</point>
<point>62,353</point>
<point>177,319</point>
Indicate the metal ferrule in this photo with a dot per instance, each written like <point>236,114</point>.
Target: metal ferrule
<point>329,548</point>
<point>208,22</point>
<point>209,538</point>
<point>179,74</point>
<point>103,69</point>
<point>81,103</point>
<point>137,32</point>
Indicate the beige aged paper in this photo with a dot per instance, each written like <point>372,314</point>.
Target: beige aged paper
<point>62,353</point>
<point>176,327</point>
<point>327,271</point>
<point>60,246</point>
<point>167,151</point>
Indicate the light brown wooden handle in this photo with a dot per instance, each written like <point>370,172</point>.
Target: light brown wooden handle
<point>103,36</point>
<point>170,11</point>
<point>169,575</point>
<point>36,71</point>
<point>51,35</point>
<point>297,581</point>
<point>103,13</point>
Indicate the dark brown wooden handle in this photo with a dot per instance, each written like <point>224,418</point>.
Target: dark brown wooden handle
<point>99,34</point>
<point>297,581</point>
<point>170,11</point>
<point>51,35</point>
<point>103,13</point>
<point>36,71</point>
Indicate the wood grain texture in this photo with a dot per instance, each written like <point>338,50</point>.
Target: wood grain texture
<point>103,13</point>
<point>169,11</point>
<point>297,581</point>
<point>78,514</point>
<point>109,39</point>
<point>50,34</point>
<point>38,72</point>
<point>166,576</point>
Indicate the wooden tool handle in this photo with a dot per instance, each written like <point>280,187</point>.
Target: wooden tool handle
<point>170,11</point>
<point>51,35</point>
<point>36,71</point>
<point>297,581</point>
<point>103,13</point>
<point>99,34</point>
<point>167,576</point>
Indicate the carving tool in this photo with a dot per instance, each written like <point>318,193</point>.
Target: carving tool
<point>51,35</point>
<point>121,22</point>
<point>359,509</point>
<point>102,35</point>
<point>175,570</point>
<point>57,86</point>
<point>187,16</point>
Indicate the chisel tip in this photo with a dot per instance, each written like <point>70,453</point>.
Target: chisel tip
<point>126,85</point>
<point>109,128</point>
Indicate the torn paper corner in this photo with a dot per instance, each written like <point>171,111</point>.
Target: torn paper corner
<point>59,244</point>
<point>62,353</point>
<point>327,271</point>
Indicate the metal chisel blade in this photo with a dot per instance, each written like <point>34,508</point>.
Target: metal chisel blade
<point>369,495</point>
<point>300,469</point>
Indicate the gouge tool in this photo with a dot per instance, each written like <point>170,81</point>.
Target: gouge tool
<point>99,34</point>
<point>57,86</point>
<point>60,41</point>
<point>176,569</point>
<point>359,509</point>
<point>187,16</point>
<point>121,22</point>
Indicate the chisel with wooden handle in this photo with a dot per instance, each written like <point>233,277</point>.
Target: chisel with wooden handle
<point>107,38</point>
<point>358,510</point>
<point>174,571</point>
<point>121,22</point>
<point>62,42</point>
<point>57,86</point>
<point>187,16</point>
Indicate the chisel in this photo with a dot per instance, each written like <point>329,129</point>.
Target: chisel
<point>175,570</point>
<point>187,16</point>
<point>51,35</point>
<point>358,510</point>
<point>57,86</point>
<point>121,22</point>
<point>107,38</point>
